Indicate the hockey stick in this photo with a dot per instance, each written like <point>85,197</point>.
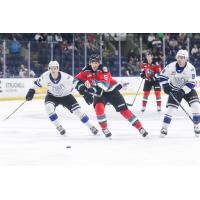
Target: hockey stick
<point>14,110</point>
<point>179,104</point>
<point>131,104</point>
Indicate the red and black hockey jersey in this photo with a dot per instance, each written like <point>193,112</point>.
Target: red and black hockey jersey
<point>101,77</point>
<point>150,70</point>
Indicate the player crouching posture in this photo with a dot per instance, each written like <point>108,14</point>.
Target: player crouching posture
<point>60,86</point>
<point>178,80</point>
<point>95,81</point>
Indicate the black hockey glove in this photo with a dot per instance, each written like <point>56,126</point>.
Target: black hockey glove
<point>82,90</point>
<point>167,88</point>
<point>142,74</point>
<point>95,91</point>
<point>88,98</point>
<point>30,94</point>
<point>120,86</point>
<point>179,94</point>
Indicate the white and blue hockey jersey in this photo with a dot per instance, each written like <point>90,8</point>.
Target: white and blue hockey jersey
<point>61,87</point>
<point>179,77</point>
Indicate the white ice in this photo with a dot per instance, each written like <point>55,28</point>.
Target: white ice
<point>29,138</point>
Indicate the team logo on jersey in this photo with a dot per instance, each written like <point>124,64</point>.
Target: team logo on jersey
<point>58,89</point>
<point>105,69</point>
<point>89,75</point>
<point>105,77</point>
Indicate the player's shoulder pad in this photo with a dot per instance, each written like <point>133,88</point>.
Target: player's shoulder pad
<point>86,68</point>
<point>155,62</point>
<point>191,66</point>
<point>66,75</point>
<point>143,63</point>
<point>164,69</point>
<point>171,65</point>
<point>103,68</point>
<point>45,74</point>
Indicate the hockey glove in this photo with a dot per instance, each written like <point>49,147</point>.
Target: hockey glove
<point>142,74</point>
<point>95,91</point>
<point>167,88</point>
<point>88,98</point>
<point>119,87</point>
<point>82,90</point>
<point>30,94</point>
<point>179,94</point>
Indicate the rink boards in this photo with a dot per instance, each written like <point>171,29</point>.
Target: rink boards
<point>16,88</point>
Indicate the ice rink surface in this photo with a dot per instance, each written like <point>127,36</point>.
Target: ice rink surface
<point>29,139</point>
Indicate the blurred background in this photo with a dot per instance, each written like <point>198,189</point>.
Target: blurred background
<point>24,55</point>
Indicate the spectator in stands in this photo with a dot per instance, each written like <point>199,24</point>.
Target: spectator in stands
<point>38,37</point>
<point>15,46</point>
<point>157,44</point>
<point>131,54</point>
<point>49,38</point>
<point>167,37</point>
<point>58,37</point>
<point>150,39</point>
<point>194,50</point>
<point>64,47</point>
<point>23,72</point>
<point>129,68</point>
<point>173,43</point>
<point>160,36</point>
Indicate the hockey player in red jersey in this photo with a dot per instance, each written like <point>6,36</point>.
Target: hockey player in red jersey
<point>149,71</point>
<point>97,86</point>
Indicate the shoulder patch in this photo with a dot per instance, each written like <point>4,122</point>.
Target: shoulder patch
<point>105,69</point>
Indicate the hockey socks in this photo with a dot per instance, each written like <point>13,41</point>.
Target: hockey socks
<point>131,118</point>
<point>145,98</point>
<point>158,98</point>
<point>83,117</point>
<point>85,120</point>
<point>101,117</point>
<point>54,119</point>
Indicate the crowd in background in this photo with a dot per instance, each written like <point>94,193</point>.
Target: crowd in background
<point>131,55</point>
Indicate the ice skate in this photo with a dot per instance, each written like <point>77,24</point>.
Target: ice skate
<point>143,109</point>
<point>163,133</point>
<point>106,132</point>
<point>94,130</point>
<point>196,130</point>
<point>61,130</point>
<point>158,108</point>
<point>144,133</point>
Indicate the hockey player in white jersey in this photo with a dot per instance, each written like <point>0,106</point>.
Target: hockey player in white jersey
<point>60,86</point>
<point>178,80</point>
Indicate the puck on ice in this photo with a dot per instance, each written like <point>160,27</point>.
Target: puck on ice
<point>68,147</point>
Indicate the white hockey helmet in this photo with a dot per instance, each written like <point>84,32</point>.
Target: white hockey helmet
<point>183,53</point>
<point>53,63</point>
